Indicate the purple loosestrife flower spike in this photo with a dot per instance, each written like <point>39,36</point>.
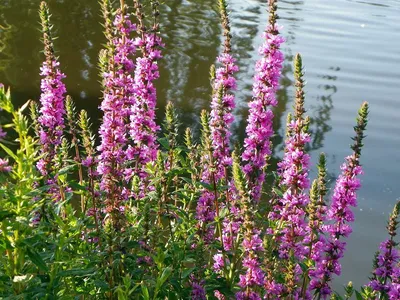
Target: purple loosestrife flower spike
<point>259,128</point>
<point>223,101</point>
<point>221,119</point>
<point>317,208</point>
<point>205,212</point>
<point>316,218</point>
<point>386,278</point>
<point>143,127</point>
<point>117,97</point>
<point>293,171</point>
<point>52,111</point>
<point>340,214</point>
<point>222,105</point>
<point>387,268</point>
<point>254,277</point>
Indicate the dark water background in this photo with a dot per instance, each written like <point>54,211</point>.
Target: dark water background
<point>351,51</point>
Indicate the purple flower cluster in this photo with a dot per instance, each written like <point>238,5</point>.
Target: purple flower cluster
<point>198,291</point>
<point>231,226</point>
<point>259,124</point>
<point>254,275</point>
<point>118,96</point>
<point>143,127</point>
<point>339,214</point>
<point>219,295</point>
<point>2,133</point>
<point>52,111</point>
<point>387,273</point>
<point>221,117</point>
<point>4,167</point>
<point>293,171</point>
<point>219,262</point>
<point>205,212</point>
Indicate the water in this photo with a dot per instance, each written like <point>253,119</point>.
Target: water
<point>351,51</point>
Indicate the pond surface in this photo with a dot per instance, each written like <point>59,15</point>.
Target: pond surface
<point>351,53</point>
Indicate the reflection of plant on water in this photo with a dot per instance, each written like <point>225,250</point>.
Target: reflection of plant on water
<point>6,54</point>
<point>321,113</point>
<point>192,28</point>
<point>191,35</point>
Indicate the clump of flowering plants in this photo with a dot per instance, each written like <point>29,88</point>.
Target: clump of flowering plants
<point>141,214</point>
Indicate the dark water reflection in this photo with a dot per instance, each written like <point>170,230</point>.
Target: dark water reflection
<point>351,50</point>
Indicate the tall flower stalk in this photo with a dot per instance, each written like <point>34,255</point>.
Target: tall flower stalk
<point>221,119</point>
<point>223,101</point>
<point>259,128</point>
<point>205,210</point>
<point>117,97</point>
<point>316,219</point>
<point>339,214</point>
<point>227,245</point>
<point>143,127</point>
<point>52,110</point>
<point>290,210</point>
<point>253,278</point>
<point>386,276</point>
<point>293,171</point>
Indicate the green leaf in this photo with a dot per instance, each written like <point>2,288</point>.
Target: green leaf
<point>66,169</point>
<point>37,259</point>
<point>23,107</point>
<point>145,292</point>
<point>77,272</point>
<point>9,152</point>
<point>4,214</point>
<point>164,276</point>
<point>101,284</point>
<point>188,180</point>
<point>120,293</point>
<point>76,186</point>
<point>164,142</point>
<point>207,186</point>
<point>359,296</point>
<point>278,192</point>
<point>187,272</point>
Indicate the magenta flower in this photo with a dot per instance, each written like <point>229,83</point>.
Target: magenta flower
<point>4,167</point>
<point>52,111</point>
<point>219,295</point>
<point>254,276</point>
<point>387,270</point>
<point>220,121</point>
<point>115,105</point>
<point>218,262</point>
<point>340,214</point>
<point>247,296</point>
<point>198,291</point>
<point>259,127</point>
<point>293,171</point>
<point>221,117</point>
<point>231,227</point>
<point>394,292</point>
<point>117,99</point>
<point>143,127</point>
